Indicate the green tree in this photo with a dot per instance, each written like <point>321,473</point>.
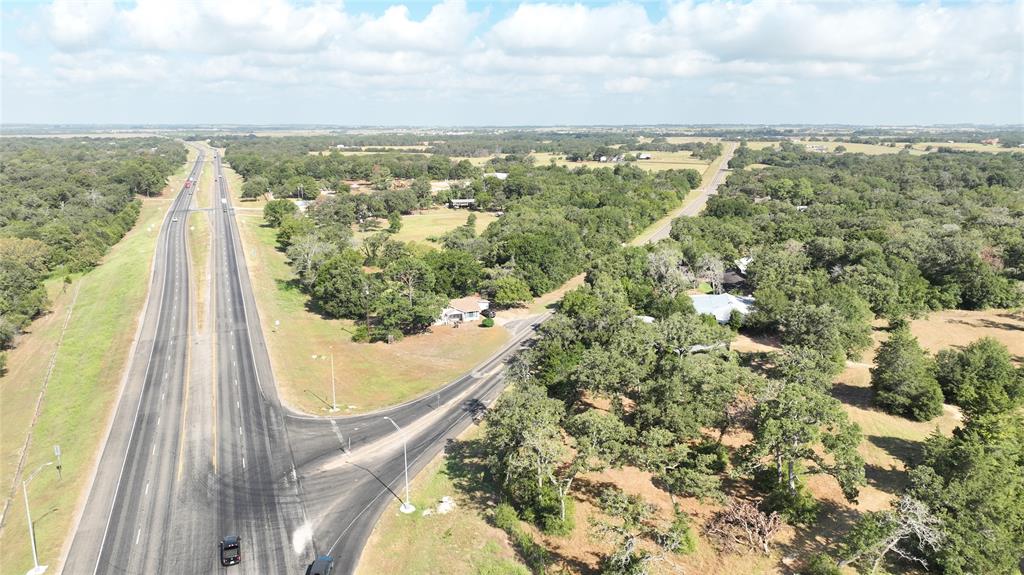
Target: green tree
<point>411,274</point>
<point>341,287</point>
<point>255,187</point>
<point>394,223</point>
<point>275,211</point>
<point>523,438</point>
<point>796,425</point>
<point>292,228</point>
<point>421,188</point>
<point>456,272</point>
<point>406,312</point>
<point>903,378</point>
<point>981,378</point>
<point>381,179</point>
<point>974,483</point>
<point>509,291</point>
<point>902,530</point>
<point>302,187</point>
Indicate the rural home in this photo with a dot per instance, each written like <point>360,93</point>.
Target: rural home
<point>456,203</point>
<point>643,157</point>
<point>722,305</point>
<point>464,309</point>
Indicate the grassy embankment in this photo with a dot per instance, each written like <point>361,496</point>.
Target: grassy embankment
<point>367,376</point>
<point>411,544</point>
<point>82,389</point>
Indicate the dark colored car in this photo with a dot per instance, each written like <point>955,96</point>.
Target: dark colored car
<point>488,313</point>
<point>230,550</point>
<point>322,566</point>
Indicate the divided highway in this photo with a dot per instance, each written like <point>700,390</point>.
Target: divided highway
<point>201,447</point>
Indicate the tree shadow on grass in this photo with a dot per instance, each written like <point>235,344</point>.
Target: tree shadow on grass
<point>834,521</point>
<point>465,465</point>
<point>854,395</point>
<point>887,479</point>
<point>907,451</point>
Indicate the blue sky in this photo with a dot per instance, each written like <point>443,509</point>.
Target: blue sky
<point>511,63</point>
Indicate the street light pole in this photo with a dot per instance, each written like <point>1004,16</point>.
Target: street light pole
<point>407,506</point>
<point>334,393</point>
<point>37,569</point>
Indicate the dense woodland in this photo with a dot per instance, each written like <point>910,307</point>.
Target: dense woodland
<point>63,203</point>
<point>833,242</point>
<point>553,222</point>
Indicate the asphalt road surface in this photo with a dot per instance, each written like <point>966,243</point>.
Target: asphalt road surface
<point>707,189</point>
<point>132,494</point>
<point>201,447</point>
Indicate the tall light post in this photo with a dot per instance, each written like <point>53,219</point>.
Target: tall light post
<point>407,506</point>
<point>334,393</point>
<point>37,569</point>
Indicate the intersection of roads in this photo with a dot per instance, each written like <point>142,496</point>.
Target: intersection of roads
<point>201,447</point>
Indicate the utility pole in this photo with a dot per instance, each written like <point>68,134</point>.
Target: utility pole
<point>407,506</point>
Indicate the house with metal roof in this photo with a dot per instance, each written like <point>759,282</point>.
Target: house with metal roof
<point>722,305</point>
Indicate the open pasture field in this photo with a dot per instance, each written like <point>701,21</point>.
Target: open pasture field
<point>424,224</point>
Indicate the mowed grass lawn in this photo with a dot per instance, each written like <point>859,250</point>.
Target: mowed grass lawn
<point>424,224</point>
<point>199,253</point>
<point>368,376</point>
<point>82,390</point>
<point>460,542</point>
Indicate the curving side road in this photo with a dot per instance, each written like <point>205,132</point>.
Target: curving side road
<point>351,467</point>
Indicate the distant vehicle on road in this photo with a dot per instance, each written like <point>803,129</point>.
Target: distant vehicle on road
<point>230,550</point>
<point>322,566</point>
<point>188,183</point>
<point>174,219</point>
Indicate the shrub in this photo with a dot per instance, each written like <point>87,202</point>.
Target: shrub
<point>735,320</point>
<point>821,564</point>
<point>683,531</point>
<point>798,509</point>
<point>505,517</point>
<point>361,334</point>
<point>487,322</point>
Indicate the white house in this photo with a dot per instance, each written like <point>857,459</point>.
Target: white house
<point>498,175</point>
<point>456,203</point>
<point>464,309</point>
<point>722,305</point>
<point>643,157</point>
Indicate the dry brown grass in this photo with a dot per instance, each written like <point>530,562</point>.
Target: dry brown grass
<point>890,445</point>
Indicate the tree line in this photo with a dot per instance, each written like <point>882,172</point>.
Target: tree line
<point>63,203</point>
